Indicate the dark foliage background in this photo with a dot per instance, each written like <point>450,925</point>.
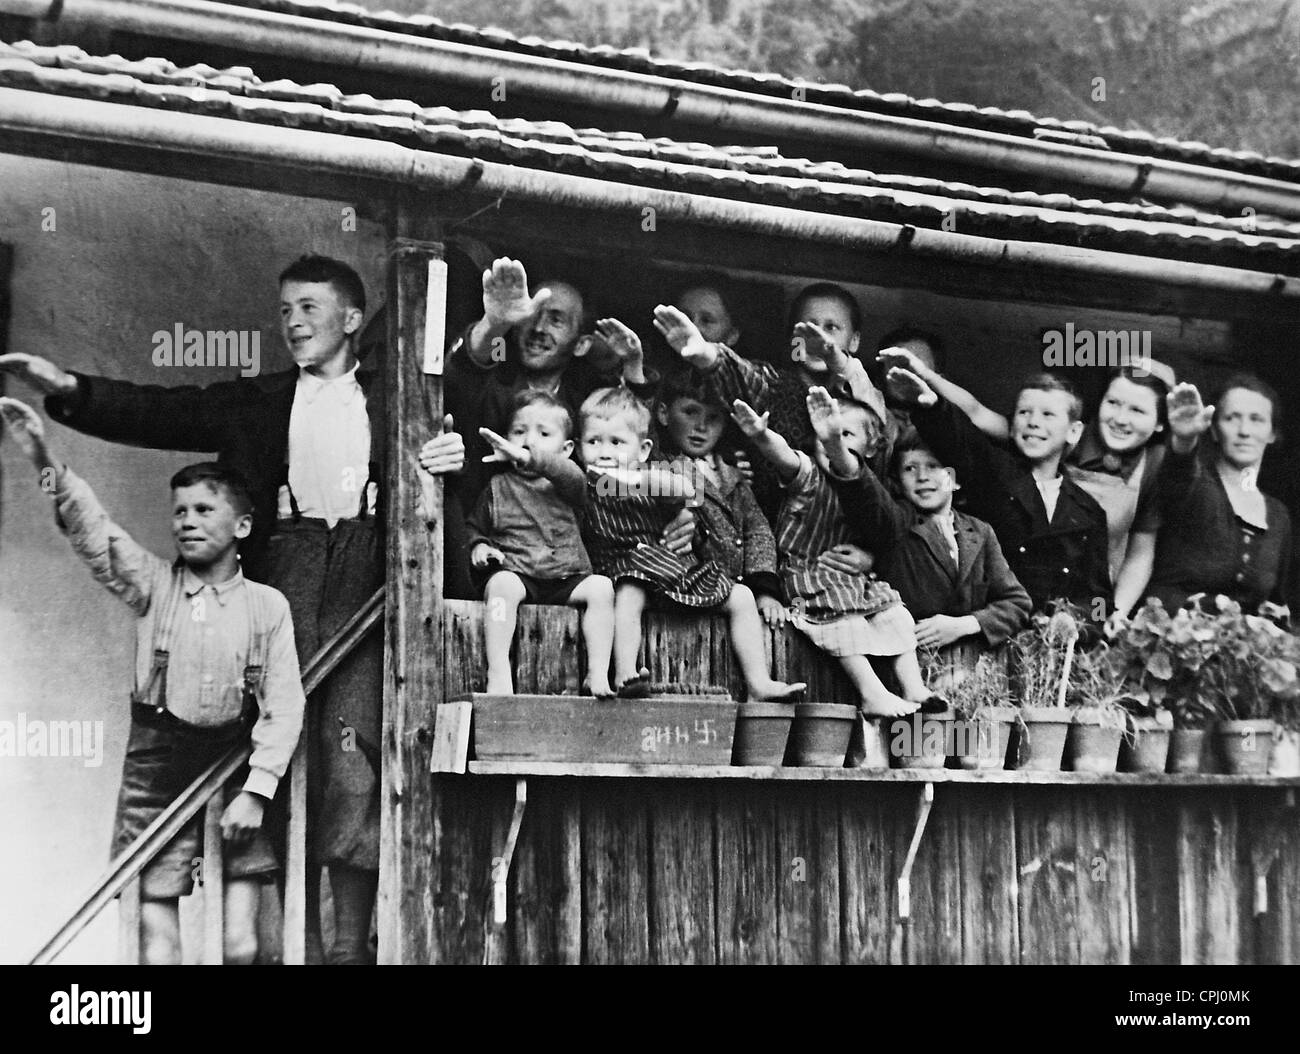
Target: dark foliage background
<point>1225,72</point>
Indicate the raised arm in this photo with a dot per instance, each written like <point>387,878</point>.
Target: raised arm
<point>506,303</point>
<point>771,446</point>
<point>992,424</point>
<point>146,415</point>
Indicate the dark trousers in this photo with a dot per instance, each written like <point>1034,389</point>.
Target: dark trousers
<point>327,573</point>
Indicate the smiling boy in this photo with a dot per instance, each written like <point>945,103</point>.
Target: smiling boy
<point>214,663</point>
<point>1052,531</point>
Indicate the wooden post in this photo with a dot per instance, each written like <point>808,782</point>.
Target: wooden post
<point>128,924</point>
<point>413,654</point>
<point>295,877</point>
<point>214,923</point>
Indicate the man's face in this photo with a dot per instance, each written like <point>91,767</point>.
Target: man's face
<point>705,308</point>
<point>927,484</point>
<point>540,430</point>
<point>205,524</point>
<point>832,315</point>
<point>315,322</point>
<point>1042,427</point>
<point>546,342</point>
<point>694,427</point>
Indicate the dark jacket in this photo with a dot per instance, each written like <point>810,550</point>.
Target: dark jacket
<point>912,556</point>
<point>1065,558</point>
<point>1201,547</point>
<point>244,422</point>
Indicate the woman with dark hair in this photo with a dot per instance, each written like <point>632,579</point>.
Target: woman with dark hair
<point>1118,461</point>
<point>1220,533</point>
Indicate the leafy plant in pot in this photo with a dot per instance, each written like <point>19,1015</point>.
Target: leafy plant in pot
<point>1042,662</point>
<point>1162,657</point>
<point>1096,693</point>
<point>978,696</point>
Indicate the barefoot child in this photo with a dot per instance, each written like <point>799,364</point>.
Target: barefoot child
<point>629,501</point>
<point>732,528</point>
<point>214,658</point>
<point>848,616</point>
<point>525,542</point>
<point>947,566</point>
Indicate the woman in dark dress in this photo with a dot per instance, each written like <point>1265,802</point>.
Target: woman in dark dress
<point>1219,533</point>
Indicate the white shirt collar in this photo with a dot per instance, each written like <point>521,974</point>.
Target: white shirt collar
<point>345,385</point>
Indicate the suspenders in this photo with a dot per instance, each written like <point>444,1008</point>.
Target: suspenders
<point>154,692</point>
<point>363,510</point>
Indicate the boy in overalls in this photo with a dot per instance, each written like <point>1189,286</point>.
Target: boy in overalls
<point>311,441</point>
<point>215,664</point>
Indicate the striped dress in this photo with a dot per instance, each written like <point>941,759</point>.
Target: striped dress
<point>622,535</point>
<point>841,613</point>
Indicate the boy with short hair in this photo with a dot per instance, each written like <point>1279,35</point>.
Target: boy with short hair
<point>525,542</point>
<point>947,566</point>
<point>215,663</point>
<point>1052,531</point>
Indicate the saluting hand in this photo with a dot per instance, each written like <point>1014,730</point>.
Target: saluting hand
<point>504,450</point>
<point>684,337</point>
<point>506,301</point>
<point>41,374</point>
<point>1188,417</point>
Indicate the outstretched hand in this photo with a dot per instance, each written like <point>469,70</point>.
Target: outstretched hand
<point>27,429</point>
<point>506,302</point>
<point>504,450</point>
<point>1188,417</point>
<point>809,342</point>
<point>684,337</point>
<point>903,359</point>
<point>748,420</point>
<point>824,413</point>
<point>906,387</point>
<point>444,453</point>
<point>41,374</point>
<point>620,339</point>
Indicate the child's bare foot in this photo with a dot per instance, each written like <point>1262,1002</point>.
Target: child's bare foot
<point>635,687</point>
<point>887,704</point>
<point>776,692</point>
<point>500,686</point>
<point>598,687</point>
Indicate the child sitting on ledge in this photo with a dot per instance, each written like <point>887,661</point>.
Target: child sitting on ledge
<point>525,543</point>
<point>845,615</point>
<point>628,502</point>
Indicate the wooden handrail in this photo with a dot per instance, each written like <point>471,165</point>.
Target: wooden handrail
<point>172,820</point>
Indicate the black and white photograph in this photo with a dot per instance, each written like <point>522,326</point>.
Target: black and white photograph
<point>652,482</point>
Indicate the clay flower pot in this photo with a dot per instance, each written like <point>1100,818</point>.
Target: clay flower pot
<point>1040,737</point>
<point>1245,746</point>
<point>1146,747</point>
<point>762,730</point>
<point>981,741</point>
<point>1286,753</point>
<point>1189,751</point>
<point>1092,744</point>
<point>921,741</point>
<point>820,734</point>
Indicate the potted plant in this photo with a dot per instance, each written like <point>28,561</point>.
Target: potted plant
<point>979,695</point>
<point>1042,663</point>
<point>1162,656</point>
<point>1096,693</point>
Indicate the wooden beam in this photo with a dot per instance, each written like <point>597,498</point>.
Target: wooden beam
<point>413,654</point>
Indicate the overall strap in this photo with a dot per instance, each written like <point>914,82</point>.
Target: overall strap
<point>259,633</point>
<point>164,632</point>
